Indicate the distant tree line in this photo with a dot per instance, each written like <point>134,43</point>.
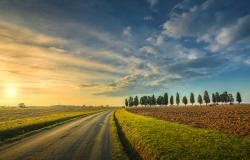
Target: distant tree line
<point>164,100</point>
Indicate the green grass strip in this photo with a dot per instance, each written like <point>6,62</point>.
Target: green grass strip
<point>158,139</point>
<point>117,148</point>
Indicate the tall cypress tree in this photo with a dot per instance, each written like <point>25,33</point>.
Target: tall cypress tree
<point>177,99</point>
<point>214,98</point>
<point>160,100</point>
<point>184,100</point>
<point>165,99</point>
<point>222,98</point>
<point>231,98</point>
<point>130,102</point>
<point>153,100</point>
<point>141,101</point>
<point>206,97</point>
<point>126,102</point>
<point>217,95</point>
<point>200,100</point>
<point>136,101</point>
<point>144,101</point>
<point>149,100</point>
<point>226,98</point>
<point>172,100</point>
<point>238,97</point>
<point>192,100</point>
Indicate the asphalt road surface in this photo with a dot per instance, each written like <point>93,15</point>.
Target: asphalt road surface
<point>87,138</point>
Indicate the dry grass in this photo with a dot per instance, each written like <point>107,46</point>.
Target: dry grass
<point>233,119</point>
<point>7,114</point>
<point>15,122</point>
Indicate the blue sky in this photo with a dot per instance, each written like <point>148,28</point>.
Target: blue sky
<point>111,49</point>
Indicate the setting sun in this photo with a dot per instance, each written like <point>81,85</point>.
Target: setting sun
<point>11,90</point>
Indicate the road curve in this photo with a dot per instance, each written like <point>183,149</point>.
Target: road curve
<point>83,139</point>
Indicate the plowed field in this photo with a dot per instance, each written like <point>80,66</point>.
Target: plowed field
<point>233,119</point>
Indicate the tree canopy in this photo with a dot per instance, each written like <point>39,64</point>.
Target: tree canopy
<point>184,100</point>
<point>238,97</point>
<point>192,99</point>
<point>177,99</point>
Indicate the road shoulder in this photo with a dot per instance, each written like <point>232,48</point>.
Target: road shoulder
<point>117,148</point>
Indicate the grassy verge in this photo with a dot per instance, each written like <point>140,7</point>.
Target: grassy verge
<point>18,128</point>
<point>158,139</point>
<point>118,151</point>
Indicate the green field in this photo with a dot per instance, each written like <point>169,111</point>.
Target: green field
<point>157,139</point>
<point>16,123</point>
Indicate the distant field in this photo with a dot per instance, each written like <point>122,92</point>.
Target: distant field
<point>16,122</point>
<point>233,119</point>
<point>157,139</point>
<point>7,114</point>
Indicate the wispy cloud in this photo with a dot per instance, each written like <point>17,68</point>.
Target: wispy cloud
<point>25,60</point>
<point>232,34</point>
<point>127,31</point>
<point>247,61</point>
<point>192,20</point>
<point>152,3</point>
<point>148,49</point>
<point>11,32</point>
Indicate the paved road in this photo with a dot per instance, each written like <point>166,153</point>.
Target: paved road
<point>83,139</point>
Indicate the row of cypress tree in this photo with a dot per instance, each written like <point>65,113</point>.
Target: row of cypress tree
<point>217,98</point>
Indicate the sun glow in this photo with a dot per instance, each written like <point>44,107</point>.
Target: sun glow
<point>11,90</point>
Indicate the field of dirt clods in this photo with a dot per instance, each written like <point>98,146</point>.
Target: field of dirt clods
<point>233,119</point>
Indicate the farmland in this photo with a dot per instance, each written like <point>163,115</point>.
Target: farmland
<point>232,119</point>
<point>158,139</point>
<point>16,123</point>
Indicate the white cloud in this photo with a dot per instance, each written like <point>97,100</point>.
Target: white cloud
<point>159,40</point>
<point>231,34</point>
<point>156,40</point>
<point>186,55</point>
<point>180,53</point>
<point>205,38</point>
<point>192,56</point>
<point>178,26</point>
<point>247,61</point>
<point>159,81</point>
<point>127,31</point>
<point>152,3</point>
<point>188,19</point>
<point>184,18</point>
<point>148,49</point>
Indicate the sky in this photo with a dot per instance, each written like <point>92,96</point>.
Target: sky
<point>97,52</point>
